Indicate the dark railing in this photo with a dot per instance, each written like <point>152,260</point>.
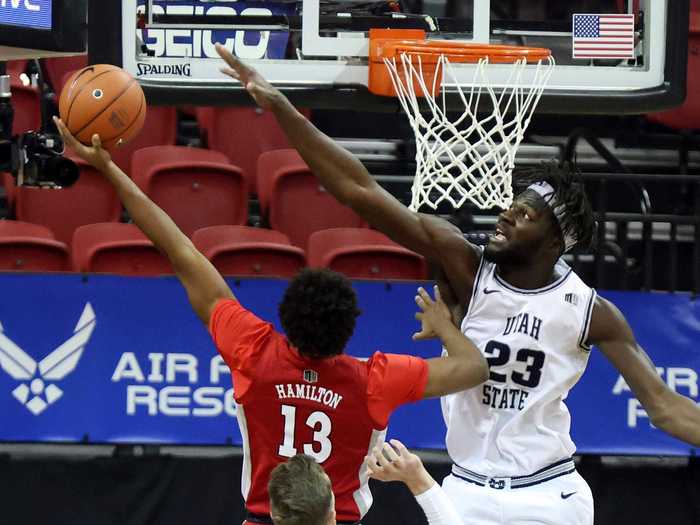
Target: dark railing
<point>626,256</point>
<point>620,246</point>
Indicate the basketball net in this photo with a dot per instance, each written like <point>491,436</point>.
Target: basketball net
<point>471,158</point>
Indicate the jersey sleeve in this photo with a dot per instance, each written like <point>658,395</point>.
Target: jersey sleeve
<point>393,381</point>
<point>238,335</point>
<point>438,508</point>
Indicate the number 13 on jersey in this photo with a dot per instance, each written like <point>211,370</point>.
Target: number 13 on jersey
<point>321,446</point>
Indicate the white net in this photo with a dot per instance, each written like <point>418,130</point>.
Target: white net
<point>472,157</point>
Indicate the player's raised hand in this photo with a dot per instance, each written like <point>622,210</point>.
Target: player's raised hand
<point>434,316</point>
<point>94,155</point>
<point>264,93</point>
<point>394,462</point>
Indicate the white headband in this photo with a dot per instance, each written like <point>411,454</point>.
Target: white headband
<point>546,191</point>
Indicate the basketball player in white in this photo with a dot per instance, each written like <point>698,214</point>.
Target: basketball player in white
<point>533,318</point>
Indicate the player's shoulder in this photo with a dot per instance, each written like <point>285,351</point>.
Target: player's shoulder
<point>567,275</point>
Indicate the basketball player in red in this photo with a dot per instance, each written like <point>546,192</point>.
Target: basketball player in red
<point>527,311</point>
<point>299,392</point>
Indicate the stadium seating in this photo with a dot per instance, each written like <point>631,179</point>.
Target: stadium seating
<point>31,247</point>
<point>361,253</point>
<point>160,128</point>
<point>8,183</point>
<point>26,103</point>
<point>198,189</point>
<point>15,68</point>
<point>246,251</point>
<point>91,199</point>
<point>57,69</point>
<point>146,157</point>
<point>242,133</point>
<point>116,248</point>
<point>294,202</point>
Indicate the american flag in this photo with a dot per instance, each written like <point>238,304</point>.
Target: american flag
<point>603,36</point>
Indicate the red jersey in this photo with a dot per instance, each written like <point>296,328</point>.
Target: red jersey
<point>335,410</point>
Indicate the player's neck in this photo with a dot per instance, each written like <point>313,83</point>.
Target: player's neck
<point>530,277</point>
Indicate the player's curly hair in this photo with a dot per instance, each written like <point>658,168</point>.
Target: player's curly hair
<point>578,220</point>
<point>318,312</point>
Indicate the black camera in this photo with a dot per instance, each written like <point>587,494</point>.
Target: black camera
<point>41,161</point>
<point>33,158</point>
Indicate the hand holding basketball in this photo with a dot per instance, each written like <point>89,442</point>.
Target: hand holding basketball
<point>434,315</point>
<point>94,155</point>
<point>264,93</point>
<point>105,100</point>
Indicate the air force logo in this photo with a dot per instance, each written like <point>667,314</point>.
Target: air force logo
<point>36,392</point>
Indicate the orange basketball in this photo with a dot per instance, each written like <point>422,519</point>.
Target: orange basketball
<point>102,99</point>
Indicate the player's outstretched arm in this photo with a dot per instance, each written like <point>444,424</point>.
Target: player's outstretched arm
<point>464,366</point>
<point>396,463</point>
<point>342,175</point>
<point>667,410</point>
<point>203,283</point>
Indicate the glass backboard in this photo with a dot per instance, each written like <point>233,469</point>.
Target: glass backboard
<point>316,50</point>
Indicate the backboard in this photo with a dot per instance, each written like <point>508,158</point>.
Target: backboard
<point>316,50</point>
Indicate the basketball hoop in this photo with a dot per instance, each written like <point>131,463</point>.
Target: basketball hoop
<point>472,157</point>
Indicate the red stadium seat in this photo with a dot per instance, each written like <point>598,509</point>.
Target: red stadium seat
<point>91,199</point>
<point>8,183</point>
<point>195,193</point>
<point>15,68</point>
<point>146,157</point>
<point>246,251</point>
<point>116,248</point>
<point>31,247</point>
<point>293,200</point>
<point>160,128</point>
<point>57,69</point>
<point>687,116</point>
<point>361,253</point>
<point>242,133</point>
<point>26,102</point>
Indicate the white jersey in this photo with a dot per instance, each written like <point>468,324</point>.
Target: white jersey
<point>535,342</point>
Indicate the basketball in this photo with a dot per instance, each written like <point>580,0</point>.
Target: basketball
<point>103,99</point>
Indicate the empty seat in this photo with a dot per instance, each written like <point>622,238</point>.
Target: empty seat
<point>149,156</point>
<point>160,128</point>
<point>195,193</point>
<point>31,247</point>
<point>57,69</point>
<point>242,133</point>
<point>361,253</point>
<point>26,103</point>
<point>116,248</point>
<point>91,199</point>
<point>246,251</point>
<point>293,200</point>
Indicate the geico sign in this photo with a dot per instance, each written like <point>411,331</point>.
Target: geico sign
<point>16,4</point>
<point>153,391</point>
<point>200,43</point>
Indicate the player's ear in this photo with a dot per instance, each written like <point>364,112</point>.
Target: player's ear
<point>556,246</point>
<point>555,243</point>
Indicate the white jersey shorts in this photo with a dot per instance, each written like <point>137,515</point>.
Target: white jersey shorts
<point>564,500</point>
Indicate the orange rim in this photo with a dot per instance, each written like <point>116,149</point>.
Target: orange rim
<point>392,43</point>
